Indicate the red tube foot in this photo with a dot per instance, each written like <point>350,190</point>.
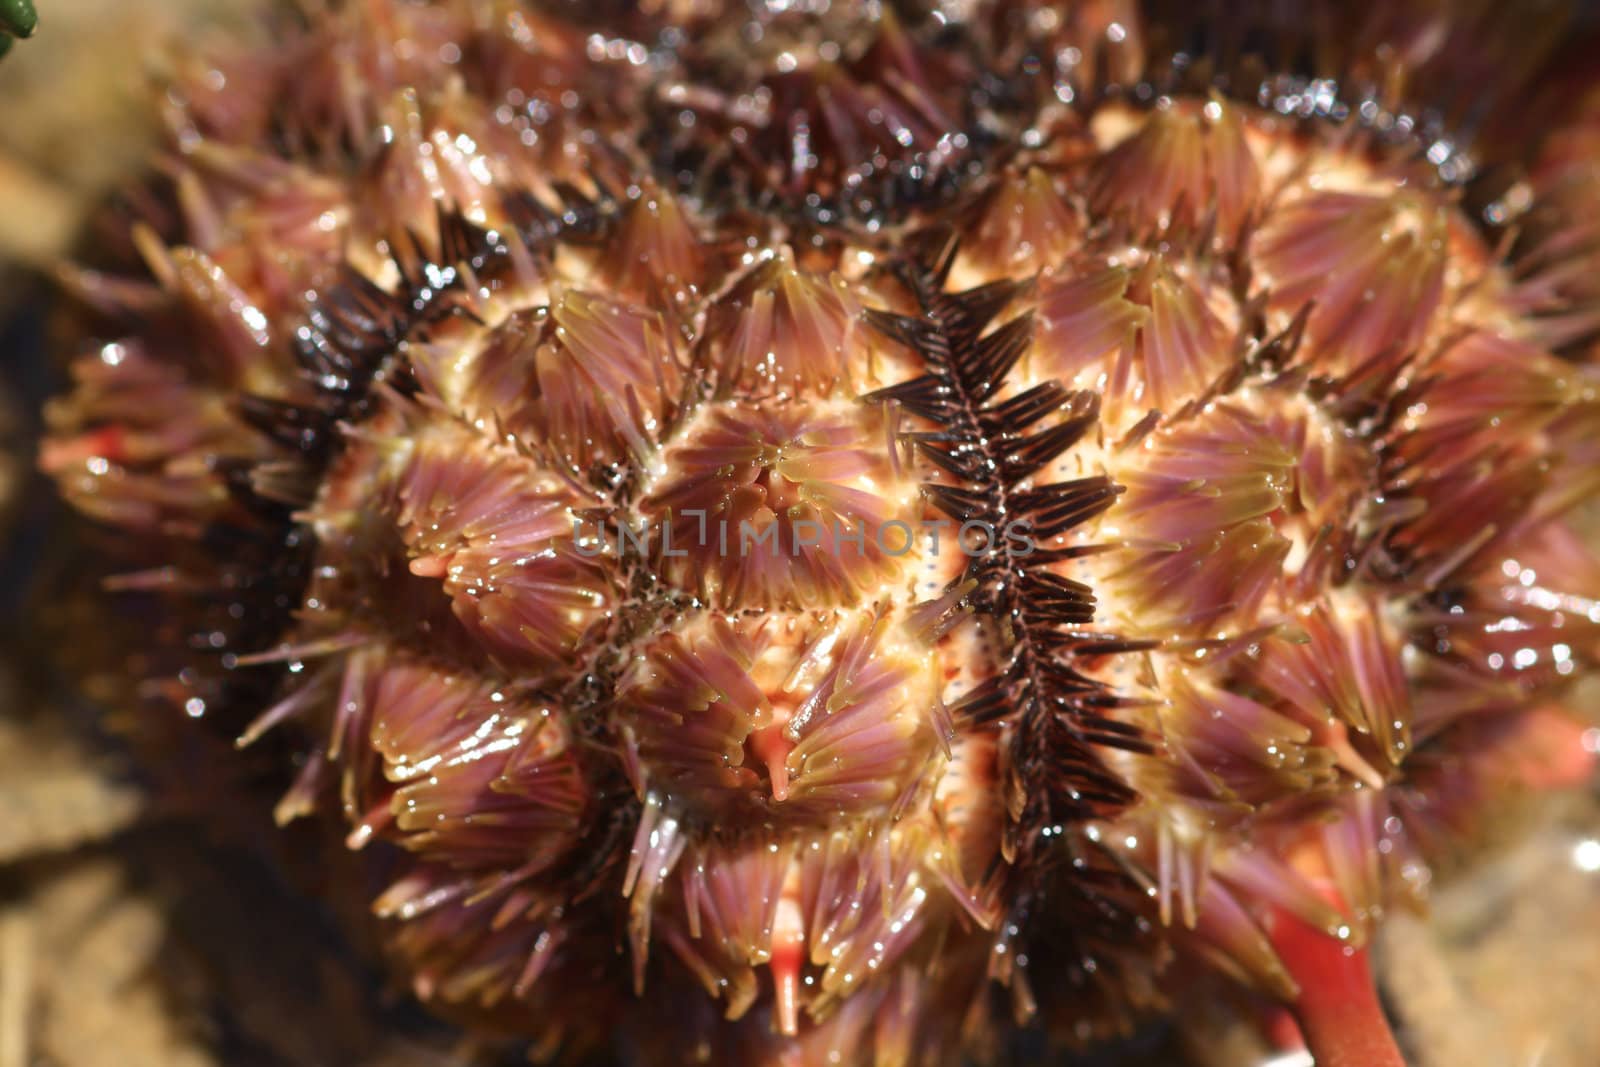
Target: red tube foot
<point>1338,1011</point>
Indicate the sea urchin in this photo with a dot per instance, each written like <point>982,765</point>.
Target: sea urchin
<point>805,532</point>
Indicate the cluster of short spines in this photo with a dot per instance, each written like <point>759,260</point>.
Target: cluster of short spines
<point>784,331</point>
<point>1288,445</point>
<point>796,506</point>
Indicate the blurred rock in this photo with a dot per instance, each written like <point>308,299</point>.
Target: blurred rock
<point>54,794</point>
<point>78,120</point>
<point>79,946</point>
<point>1504,970</point>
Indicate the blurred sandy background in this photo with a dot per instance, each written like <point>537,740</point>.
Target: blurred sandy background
<point>129,937</point>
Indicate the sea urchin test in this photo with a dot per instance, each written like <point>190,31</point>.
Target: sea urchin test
<point>455,338</point>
